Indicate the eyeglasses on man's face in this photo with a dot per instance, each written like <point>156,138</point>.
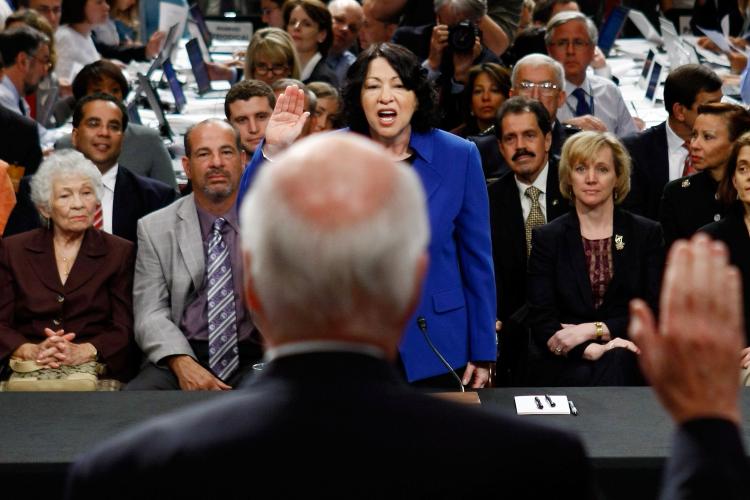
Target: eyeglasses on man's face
<point>546,89</point>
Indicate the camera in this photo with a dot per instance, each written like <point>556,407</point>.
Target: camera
<point>461,36</point>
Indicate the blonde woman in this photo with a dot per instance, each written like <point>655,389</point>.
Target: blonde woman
<point>586,266</point>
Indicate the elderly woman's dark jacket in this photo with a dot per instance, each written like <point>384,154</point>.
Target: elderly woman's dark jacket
<point>95,302</point>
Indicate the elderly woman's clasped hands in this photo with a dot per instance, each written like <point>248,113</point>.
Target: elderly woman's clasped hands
<point>57,349</point>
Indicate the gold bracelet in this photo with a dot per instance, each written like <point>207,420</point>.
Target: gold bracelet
<point>599,330</point>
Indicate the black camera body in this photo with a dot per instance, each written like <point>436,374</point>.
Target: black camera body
<point>461,36</point>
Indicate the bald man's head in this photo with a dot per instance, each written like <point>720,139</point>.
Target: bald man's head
<point>335,235</point>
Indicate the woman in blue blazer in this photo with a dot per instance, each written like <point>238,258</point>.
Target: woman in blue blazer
<point>584,269</point>
<point>388,98</point>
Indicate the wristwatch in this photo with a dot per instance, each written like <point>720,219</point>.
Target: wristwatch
<point>599,330</point>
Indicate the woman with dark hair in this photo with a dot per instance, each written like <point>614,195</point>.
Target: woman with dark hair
<point>73,38</point>
<point>584,269</point>
<point>734,229</point>
<point>691,202</point>
<point>310,25</point>
<point>487,89</point>
<point>388,98</point>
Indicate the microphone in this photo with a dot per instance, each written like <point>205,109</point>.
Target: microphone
<point>422,324</point>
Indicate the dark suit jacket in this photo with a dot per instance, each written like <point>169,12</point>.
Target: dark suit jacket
<point>493,163</point>
<point>20,144</point>
<point>559,289</point>
<point>359,435</point>
<point>688,204</point>
<point>509,257</point>
<point>733,231</point>
<point>707,461</point>
<point>509,236</point>
<point>650,170</point>
<point>322,73</point>
<point>95,302</point>
<point>135,196</point>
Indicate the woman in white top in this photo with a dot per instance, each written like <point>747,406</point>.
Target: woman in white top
<point>75,48</point>
<point>310,26</point>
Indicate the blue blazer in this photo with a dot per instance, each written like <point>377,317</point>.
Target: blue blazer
<point>458,299</point>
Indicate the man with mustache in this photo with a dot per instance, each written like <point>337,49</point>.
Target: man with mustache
<point>190,318</point>
<point>527,196</point>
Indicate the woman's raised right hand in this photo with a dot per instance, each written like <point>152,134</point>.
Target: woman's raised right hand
<point>286,122</point>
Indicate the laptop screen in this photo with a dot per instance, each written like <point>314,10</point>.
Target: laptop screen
<point>653,82</point>
<point>200,72</point>
<point>611,29</point>
<point>174,86</point>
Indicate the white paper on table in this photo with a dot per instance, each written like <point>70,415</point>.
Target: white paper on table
<point>525,405</point>
<point>720,40</point>
<point>171,14</point>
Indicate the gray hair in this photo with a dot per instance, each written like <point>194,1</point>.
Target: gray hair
<point>64,163</point>
<point>473,9</point>
<point>308,274</point>
<point>343,4</point>
<point>567,16</point>
<point>535,61</point>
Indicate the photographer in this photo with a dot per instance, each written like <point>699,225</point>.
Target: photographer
<point>449,49</point>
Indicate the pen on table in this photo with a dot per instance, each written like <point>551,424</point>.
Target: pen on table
<point>632,105</point>
<point>549,400</point>
<point>538,403</point>
<point>573,408</point>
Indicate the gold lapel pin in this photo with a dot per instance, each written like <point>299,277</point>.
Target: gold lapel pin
<point>619,242</point>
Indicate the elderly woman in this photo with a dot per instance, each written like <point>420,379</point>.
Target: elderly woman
<point>734,229</point>
<point>586,266</point>
<point>487,89</point>
<point>311,27</point>
<point>66,290</point>
<point>389,99</point>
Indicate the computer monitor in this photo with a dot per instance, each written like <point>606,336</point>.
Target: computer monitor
<point>144,85</point>
<point>200,72</point>
<point>170,42</point>
<point>646,69</point>
<point>174,86</point>
<point>653,81</point>
<point>611,29</point>
<point>196,14</point>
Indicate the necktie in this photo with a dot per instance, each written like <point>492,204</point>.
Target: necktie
<point>582,107</point>
<point>223,353</point>
<point>98,217</point>
<point>536,217</point>
<point>687,169</point>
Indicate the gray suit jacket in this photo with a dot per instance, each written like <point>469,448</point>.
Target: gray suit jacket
<point>143,152</point>
<point>169,268</point>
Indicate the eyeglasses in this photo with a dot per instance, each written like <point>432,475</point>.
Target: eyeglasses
<point>578,44</point>
<point>44,62</point>
<point>546,89</point>
<point>276,69</point>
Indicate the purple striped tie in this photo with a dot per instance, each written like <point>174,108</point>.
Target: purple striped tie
<point>223,353</point>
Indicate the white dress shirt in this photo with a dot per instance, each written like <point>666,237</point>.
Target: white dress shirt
<point>74,51</point>
<point>676,154</point>
<point>605,101</point>
<point>541,184</point>
<point>109,178</point>
<point>310,66</point>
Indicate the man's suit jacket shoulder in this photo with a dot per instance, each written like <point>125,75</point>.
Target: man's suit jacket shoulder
<point>23,150</point>
<point>136,196</point>
<point>650,170</point>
